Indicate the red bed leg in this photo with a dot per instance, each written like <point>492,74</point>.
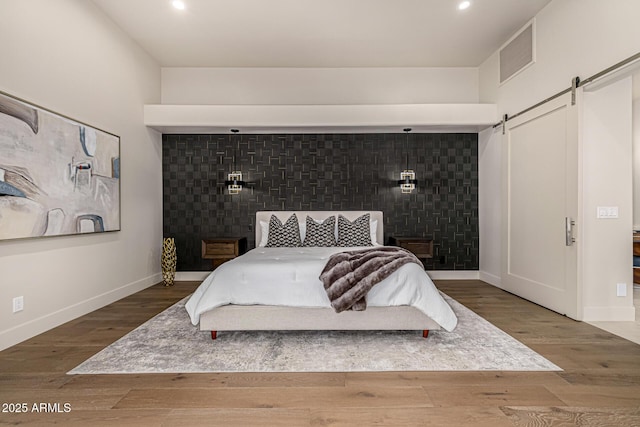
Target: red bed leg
<point>214,335</point>
<point>425,333</point>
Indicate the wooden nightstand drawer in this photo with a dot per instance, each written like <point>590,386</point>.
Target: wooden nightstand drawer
<point>419,246</point>
<point>223,249</point>
<point>214,248</point>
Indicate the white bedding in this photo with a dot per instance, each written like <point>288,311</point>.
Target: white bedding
<point>289,277</point>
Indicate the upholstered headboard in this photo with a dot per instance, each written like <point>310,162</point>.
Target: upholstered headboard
<point>319,215</point>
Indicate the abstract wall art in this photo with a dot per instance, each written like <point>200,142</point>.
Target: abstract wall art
<point>57,176</point>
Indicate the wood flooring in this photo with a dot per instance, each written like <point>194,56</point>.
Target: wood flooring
<point>599,384</point>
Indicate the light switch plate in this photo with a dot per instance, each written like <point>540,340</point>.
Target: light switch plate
<point>621,289</point>
<point>18,304</point>
<point>607,212</point>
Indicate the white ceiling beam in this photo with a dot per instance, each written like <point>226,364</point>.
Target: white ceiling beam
<point>320,118</point>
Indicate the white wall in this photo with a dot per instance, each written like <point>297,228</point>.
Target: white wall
<point>636,151</point>
<point>574,38</point>
<point>490,204</point>
<point>66,56</point>
<point>606,146</point>
<point>200,86</point>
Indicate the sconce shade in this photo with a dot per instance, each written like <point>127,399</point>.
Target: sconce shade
<point>407,181</point>
<point>234,182</point>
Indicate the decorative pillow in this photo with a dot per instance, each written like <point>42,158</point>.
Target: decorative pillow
<point>264,231</point>
<point>283,235</point>
<point>320,234</point>
<point>374,232</point>
<point>303,229</point>
<point>356,233</point>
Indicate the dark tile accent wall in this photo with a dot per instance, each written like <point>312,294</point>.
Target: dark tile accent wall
<point>324,172</point>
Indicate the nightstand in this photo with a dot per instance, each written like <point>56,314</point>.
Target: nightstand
<point>222,249</point>
<point>421,247</point>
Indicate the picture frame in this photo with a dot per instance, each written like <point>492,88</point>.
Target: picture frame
<point>58,176</point>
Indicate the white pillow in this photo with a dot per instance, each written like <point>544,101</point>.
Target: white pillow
<point>302,226</point>
<point>374,231</point>
<point>264,231</point>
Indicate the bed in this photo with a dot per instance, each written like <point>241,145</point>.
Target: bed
<point>277,288</point>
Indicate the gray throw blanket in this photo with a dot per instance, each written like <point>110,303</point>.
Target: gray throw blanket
<point>348,276</point>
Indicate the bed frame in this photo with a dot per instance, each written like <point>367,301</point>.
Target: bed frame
<point>268,318</point>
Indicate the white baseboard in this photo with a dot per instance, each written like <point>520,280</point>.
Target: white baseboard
<point>491,279</point>
<point>30,329</point>
<point>454,274</point>
<point>609,314</point>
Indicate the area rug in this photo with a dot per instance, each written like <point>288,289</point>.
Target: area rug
<point>169,343</point>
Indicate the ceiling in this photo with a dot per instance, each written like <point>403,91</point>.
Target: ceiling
<point>320,33</point>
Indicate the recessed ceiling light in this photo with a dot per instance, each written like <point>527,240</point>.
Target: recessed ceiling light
<point>178,4</point>
<point>464,5</point>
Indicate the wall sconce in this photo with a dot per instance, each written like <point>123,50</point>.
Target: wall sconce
<point>234,180</point>
<point>408,179</point>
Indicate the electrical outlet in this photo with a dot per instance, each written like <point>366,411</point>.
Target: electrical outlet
<point>18,304</point>
<point>621,289</point>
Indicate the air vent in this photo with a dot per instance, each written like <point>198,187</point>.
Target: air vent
<point>518,53</point>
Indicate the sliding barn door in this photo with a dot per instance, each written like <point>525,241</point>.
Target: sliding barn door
<point>540,204</point>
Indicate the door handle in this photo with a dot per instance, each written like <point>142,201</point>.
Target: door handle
<point>569,223</point>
